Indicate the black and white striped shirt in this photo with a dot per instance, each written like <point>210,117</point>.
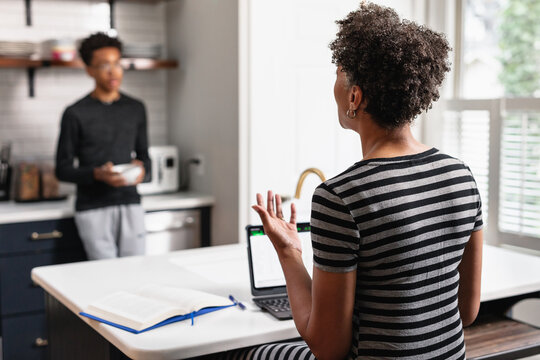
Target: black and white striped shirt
<point>402,223</point>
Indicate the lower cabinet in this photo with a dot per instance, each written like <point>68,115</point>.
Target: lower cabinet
<point>24,246</point>
<point>24,337</point>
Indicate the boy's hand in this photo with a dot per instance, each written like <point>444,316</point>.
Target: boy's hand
<point>140,178</point>
<point>105,174</point>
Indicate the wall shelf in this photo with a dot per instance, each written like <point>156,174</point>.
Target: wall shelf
<point>127,63</point>
<point>6,62</point>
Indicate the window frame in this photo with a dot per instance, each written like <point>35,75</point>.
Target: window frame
<point>496,109</point>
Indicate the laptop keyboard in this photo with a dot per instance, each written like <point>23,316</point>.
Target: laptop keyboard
<point>278,307</point>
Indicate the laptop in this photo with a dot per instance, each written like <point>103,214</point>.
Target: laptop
<point>265,273</point>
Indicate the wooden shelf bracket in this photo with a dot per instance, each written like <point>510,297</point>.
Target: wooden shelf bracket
<point>28,11</point>
<point>111,13</point>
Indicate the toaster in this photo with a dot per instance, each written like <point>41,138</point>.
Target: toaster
<point>165,171</point>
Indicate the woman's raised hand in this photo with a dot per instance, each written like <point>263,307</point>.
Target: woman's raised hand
<point>283,234</point>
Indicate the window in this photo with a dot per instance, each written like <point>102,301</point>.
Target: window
<point>500,49</point>
<point>493,124</point>
<point>499,139</point>
<point>519,206</point>
<point>467,138</point>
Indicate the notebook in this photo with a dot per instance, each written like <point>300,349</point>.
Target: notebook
<point>152,306</point>
<point>265,273</point>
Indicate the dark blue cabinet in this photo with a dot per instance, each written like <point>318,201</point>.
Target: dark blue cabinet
<point>24,246</point>
<point>25,336</point>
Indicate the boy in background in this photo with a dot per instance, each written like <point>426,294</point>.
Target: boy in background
<point>103,128</point>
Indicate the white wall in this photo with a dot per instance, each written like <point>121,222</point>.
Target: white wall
<point>32,124</point>
<point>203,101</point>
<point>291,111</point>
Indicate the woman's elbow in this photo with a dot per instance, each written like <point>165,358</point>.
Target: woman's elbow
<point>469,315</point>
<point>328,354</point>
<point>330,351</point>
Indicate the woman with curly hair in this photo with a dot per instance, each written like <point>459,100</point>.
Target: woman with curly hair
<point>397,237</point>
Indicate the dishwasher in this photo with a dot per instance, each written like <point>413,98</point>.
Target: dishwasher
<point>172,230</point>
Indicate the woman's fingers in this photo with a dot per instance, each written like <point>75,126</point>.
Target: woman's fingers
<point>293,214</point>
<point>271,209</point>
<point>279,210</point>
<point>270,202</point>
<point>260,201</point>
<point>259,208</point>
<point>262,213</point>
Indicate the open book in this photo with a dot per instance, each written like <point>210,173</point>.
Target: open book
<point>153,306</point>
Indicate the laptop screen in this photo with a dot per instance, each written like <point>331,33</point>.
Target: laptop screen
<point>265,269</point>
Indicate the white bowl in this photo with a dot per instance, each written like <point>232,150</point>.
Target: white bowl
<point>130,172</point>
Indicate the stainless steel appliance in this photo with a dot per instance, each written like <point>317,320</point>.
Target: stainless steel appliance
<point>171,230</point>
<point>165,171</point>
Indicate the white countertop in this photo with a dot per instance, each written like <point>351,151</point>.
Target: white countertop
<point>508,273</point>
<point>13,212</point>
<point>223,270</point>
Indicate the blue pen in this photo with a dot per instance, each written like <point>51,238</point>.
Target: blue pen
<point>236,302</point>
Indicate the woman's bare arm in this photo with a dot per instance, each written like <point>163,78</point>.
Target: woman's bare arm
<point>470,272</point>
<point>323,308</point>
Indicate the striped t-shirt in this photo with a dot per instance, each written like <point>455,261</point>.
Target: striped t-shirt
<point>402,223</point>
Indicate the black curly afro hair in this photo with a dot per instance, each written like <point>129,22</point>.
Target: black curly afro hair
<point>398,64</point>
<point>97,41</point>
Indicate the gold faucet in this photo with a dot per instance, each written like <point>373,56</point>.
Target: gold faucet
<point>303,176</point>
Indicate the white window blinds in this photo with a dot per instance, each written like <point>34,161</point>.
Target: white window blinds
<point>519,206</point>
<point>500,141</point>
<point>466,136</point>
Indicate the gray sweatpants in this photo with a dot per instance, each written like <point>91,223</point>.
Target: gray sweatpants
<point>112,231</point>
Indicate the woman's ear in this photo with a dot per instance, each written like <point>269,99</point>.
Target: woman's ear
<point>356,97</point>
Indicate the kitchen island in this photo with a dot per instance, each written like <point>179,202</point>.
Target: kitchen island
<point>507,276</point>
<point>44,233</point>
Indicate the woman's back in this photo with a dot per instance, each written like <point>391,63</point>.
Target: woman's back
<point>403,223</point>
<point>391,235</point>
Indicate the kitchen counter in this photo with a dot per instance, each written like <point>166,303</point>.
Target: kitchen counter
<point>220,270</point>
<point>13,212</point>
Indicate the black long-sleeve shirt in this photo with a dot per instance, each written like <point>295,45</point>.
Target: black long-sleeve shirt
<point>94,132</point>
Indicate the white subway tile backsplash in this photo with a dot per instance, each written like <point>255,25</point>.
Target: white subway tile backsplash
<point>32,124</point>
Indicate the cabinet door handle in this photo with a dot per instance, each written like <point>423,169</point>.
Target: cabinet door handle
<point>39,342</point>
<point>55,234</point>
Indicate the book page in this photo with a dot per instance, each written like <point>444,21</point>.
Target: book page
<point>131,310</point>
<point>187,300</point>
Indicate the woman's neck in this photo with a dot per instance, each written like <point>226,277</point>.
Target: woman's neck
<point>378,142</point>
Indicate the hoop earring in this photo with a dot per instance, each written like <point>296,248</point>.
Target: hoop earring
<point>349,114</point>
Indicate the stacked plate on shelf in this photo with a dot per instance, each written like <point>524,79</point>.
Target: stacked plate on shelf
<point>149,51</point>
<point>59,49</point>
<point>17,48</point>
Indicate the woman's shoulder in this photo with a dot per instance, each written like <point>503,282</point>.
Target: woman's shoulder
<point>376,173</point>
<point>336,185</point>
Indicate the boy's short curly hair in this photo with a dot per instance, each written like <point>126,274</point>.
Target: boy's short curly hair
<point>97,41</point>
<point>398,64</point>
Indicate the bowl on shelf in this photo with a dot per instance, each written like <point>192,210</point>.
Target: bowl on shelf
<point>130,172</point>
